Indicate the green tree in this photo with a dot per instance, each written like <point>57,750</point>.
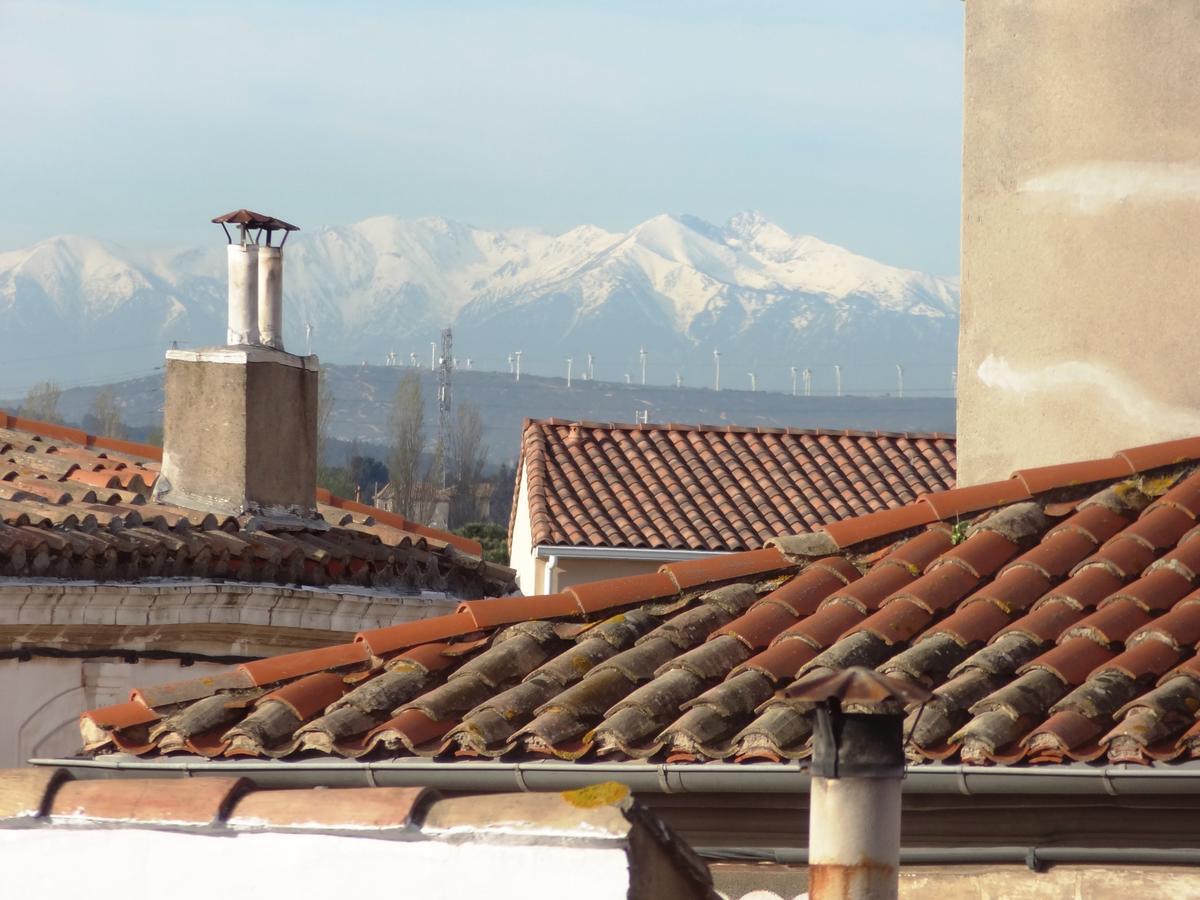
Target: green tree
<point>41,402</point>
<point>494,539</point>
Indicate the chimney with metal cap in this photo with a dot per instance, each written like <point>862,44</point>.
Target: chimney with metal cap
<point>255,278</point>
<point>857,767</point>
<point>240,425</point>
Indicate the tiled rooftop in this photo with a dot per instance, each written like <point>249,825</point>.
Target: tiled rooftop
<point>713,488</point>
<point>76,506</point>
<point>1055,615</point>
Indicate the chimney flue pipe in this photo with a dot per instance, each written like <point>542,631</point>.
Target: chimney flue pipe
<point>270,296</point>
<point>255,278</point>
<point>243,294</point>
<point>857,768</point>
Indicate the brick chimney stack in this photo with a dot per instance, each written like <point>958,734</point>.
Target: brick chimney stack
<point>240,425</point>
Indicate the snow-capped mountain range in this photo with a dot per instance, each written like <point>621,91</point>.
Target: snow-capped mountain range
<point>77,309</point>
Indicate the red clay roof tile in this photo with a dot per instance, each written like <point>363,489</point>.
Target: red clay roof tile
<point>1016,588</point>
<point>973,622</point>
<point>1152,456</point>
<point>330,809</point>
<point>897,621</point>
<point>381,641</point>
<point>308,695</point>
<point>714,569</point>
<point>710,488</point>
<point>962,501</point>
<point>506,610</point>
<point>95,494</point>
<point>1144,660</point>
<point>122,715</point>
<point>176,803</point>
<point>1048,478</point>
<point>981,554</point>
<point>1089,643</point>
<point>292,665</point>
<point>610,593</point>
<point>1071,661</point>
<point>880,524</point>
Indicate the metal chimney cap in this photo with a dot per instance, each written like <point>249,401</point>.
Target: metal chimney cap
<point>255,220</point>
<point>856,685</point>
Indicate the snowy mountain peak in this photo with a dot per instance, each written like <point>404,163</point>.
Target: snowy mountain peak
<point>676,282</point>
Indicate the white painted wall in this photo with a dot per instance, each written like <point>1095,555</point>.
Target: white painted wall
<point>520,548</point>
<point>149,864</point>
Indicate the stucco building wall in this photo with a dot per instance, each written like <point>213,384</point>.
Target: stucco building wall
<point>1081,201</point>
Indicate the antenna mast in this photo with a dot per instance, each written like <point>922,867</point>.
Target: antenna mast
<point>445,374</point>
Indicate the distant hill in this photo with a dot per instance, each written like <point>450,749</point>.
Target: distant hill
<point>680,287</point>
<point>363,396</point>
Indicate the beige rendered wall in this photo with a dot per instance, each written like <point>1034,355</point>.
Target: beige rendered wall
<point>41,699</point>
<point>569,572</point>
<point>1081,207</point>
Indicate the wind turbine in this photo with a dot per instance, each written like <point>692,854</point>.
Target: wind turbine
<point>793,381</point>
<point>642,354</point>
<point>837,375</point>
<point>900,381</point>
<point>569,362</point>
<point>517,354</point>
<point>753,382</point>
<point>807,382</point>
<point>717,377</point>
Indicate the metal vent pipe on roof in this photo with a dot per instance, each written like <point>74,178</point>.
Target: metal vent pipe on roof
<point>857,767</point>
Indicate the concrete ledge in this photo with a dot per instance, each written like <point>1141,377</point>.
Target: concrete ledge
<point>246,353</point>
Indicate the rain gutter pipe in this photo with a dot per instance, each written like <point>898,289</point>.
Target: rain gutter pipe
<point>1036,858</point>
<point>648,778</point>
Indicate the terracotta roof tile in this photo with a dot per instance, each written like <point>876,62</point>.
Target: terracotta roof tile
<point>382,808</point>
<point>86,508</point>
<point>713,569</point>
<point>1046,478</point>
<point>293,665</point>
<point>175,803</point>
<point>1038,635</point>
<point>880,524</point>
<point>709,488</point>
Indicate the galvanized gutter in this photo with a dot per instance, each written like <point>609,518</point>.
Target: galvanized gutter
<point>1035,858</point>
<point>647,778</point>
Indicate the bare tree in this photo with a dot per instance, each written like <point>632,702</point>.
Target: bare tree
<point>326,402</point>
<point>106,413</point>
<point>41,402</point>
<point>466,455</point>
<point>407,427</point>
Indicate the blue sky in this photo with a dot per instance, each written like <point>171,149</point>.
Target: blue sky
<point>139,121</point>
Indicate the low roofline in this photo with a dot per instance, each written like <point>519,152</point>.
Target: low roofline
<point>151,452</point>
<point>739,429</point>
<point>644,777</point>
<point>79,436</point>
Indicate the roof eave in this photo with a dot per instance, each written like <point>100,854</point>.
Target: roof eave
<point>644,777</point>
